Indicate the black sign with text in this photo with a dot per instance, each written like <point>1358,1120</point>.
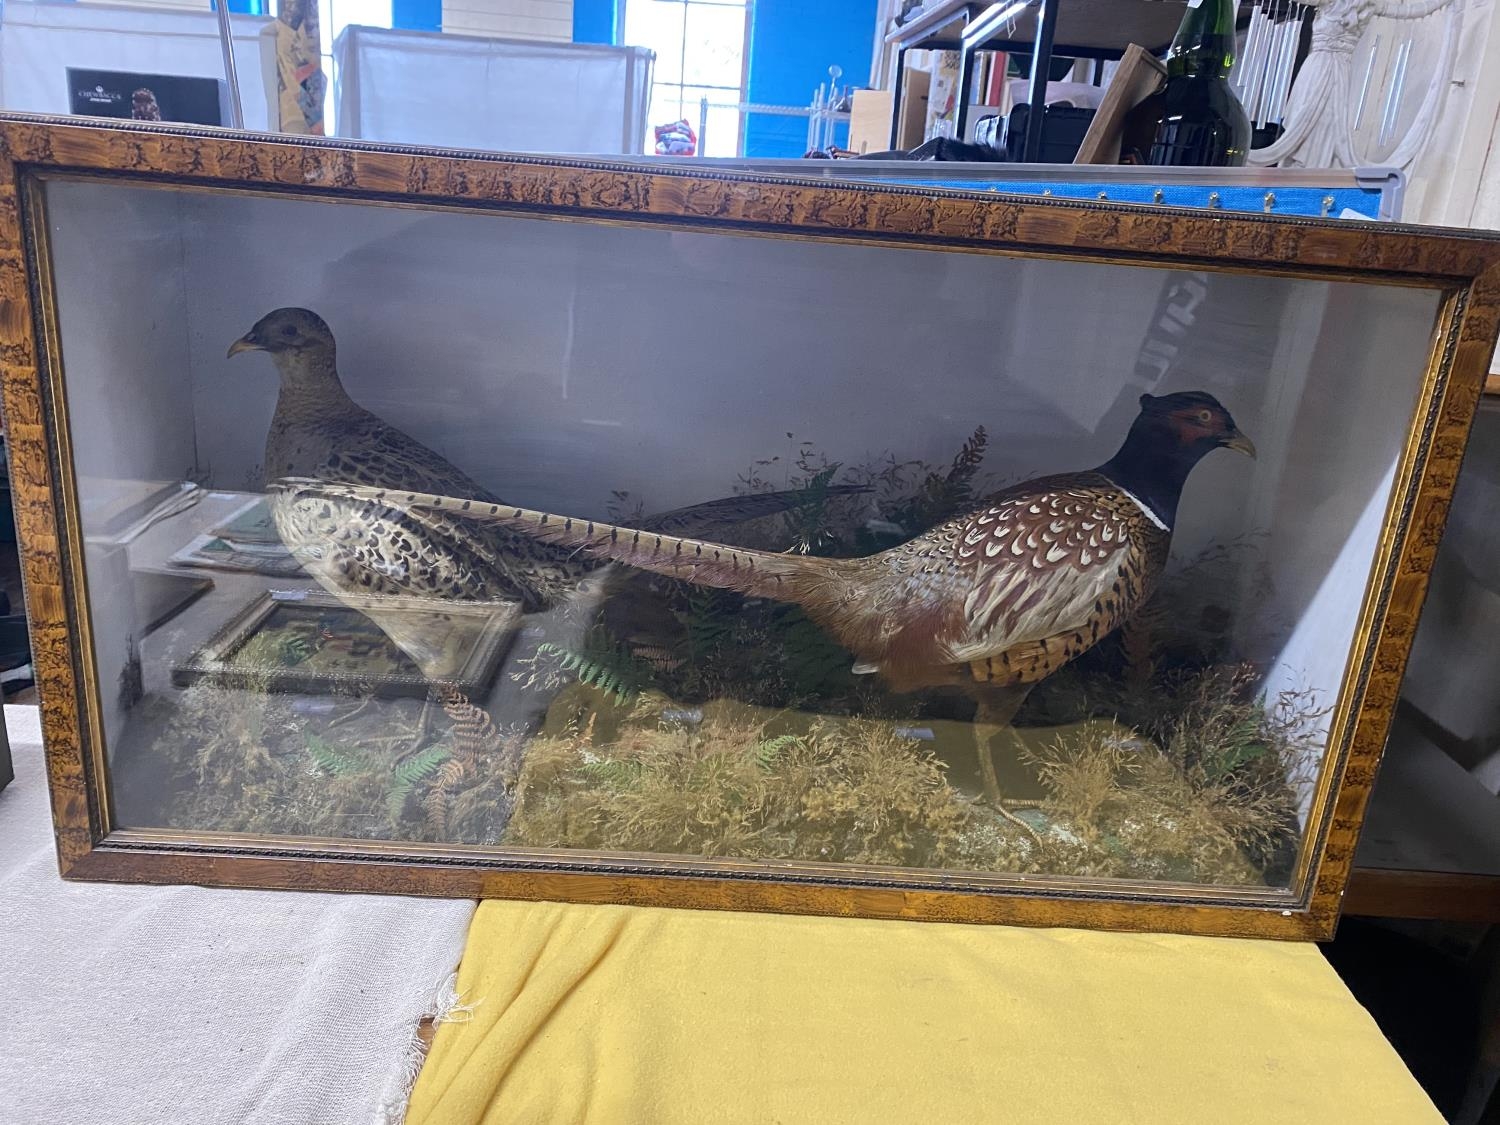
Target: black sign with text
<point>145,97</point>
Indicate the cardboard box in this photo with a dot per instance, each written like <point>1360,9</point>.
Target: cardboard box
<point>870,120</point>
<point>911,127</point>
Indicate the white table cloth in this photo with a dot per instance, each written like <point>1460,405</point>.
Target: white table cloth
<point>132,1004</point>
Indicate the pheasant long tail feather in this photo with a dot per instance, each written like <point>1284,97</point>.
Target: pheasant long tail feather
<point>701,518</point>
<point>789,578</point>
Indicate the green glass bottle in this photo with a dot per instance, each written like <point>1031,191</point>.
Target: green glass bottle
<point>1195,119</point>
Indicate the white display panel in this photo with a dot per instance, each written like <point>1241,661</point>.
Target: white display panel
<point>507,95</point>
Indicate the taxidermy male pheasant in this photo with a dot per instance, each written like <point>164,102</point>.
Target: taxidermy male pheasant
<point>359,546</point>
<point>999,598</point>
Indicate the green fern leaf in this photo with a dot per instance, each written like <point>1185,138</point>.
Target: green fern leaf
<point>770,749</point>
<point>335,760</point>
<point>606,668</point>
<point>405,777</point>
<point>420,765</point>
<point>811,661</point>
<point>708,620</point>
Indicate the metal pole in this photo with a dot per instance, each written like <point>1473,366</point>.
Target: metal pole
<point>1393,99</point>
<point>961,98</point>
<point>1041,62</point>
<point>829,128</point>
<point>896,95</point>
<point>1291,32</point>
<point>1364,87</point>
<point>1242,77</point>
<point>231,76</point>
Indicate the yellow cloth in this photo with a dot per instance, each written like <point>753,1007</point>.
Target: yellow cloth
<point>619,1015</point>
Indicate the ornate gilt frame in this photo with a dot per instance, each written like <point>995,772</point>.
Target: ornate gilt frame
<point>1464,266</point>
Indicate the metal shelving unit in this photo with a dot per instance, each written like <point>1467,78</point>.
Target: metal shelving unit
<point>1080,29</point>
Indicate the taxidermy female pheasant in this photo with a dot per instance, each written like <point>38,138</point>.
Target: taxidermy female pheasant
<point>999,598</point>
<point>318,431</point>
<point>358,546</point>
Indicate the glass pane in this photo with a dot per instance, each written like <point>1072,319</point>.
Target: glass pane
<point>657,24</point>
<point>722,137</point>
<point>714,45</point>
<point>933,623</point>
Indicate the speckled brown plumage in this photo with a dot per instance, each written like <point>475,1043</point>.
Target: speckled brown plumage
<point>1005,594</point>
<point>1000,597</point>
<point>318,431</point>
<point>353,544</point>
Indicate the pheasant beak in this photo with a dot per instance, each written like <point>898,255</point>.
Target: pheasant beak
<point>243,344</point>
<point>1238,441</point>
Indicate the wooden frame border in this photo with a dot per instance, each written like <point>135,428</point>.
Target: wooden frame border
<point>1465,266</point>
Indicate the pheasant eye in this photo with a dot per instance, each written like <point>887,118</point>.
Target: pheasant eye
<point>291,330</point>
<point>1205,416</point>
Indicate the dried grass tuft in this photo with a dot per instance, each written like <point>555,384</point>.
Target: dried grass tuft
<point>1207,797</point>
<point>736,785</point>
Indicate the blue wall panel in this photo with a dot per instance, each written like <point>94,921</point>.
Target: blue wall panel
<point>594,21</point>
<point>792,45</point>
<point>417,15</point>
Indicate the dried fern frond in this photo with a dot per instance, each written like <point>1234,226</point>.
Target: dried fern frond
<point>612,772</point>
<point>435,804</point>
<point>474,732</point>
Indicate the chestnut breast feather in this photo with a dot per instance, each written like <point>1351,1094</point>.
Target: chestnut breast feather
<point>1063,554</point>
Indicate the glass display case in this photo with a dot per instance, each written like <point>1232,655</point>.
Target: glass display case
<point>480,525</point>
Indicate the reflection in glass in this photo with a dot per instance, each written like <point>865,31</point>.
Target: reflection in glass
<point>825,609</point>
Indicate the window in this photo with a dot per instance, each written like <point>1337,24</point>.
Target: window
<point>700,53</point>
<point>333,17</point>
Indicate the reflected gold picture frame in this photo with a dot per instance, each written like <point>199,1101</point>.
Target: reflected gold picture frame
<point>484,630</point>
<point>1464,267</point>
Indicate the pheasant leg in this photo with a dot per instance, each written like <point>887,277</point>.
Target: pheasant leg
<point>997,707</point>
<point>353,713</point>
